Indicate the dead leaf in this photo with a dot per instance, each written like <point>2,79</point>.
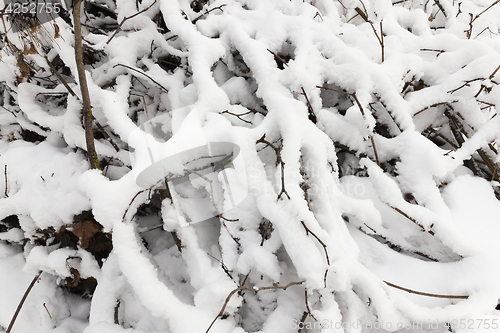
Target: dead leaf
<point>73,282</point>
<point>23,66</point>
<point>56,28</point>
<point>30,50</point>
<point>85,230</point>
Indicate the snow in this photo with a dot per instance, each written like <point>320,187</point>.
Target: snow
<point>279,165</point>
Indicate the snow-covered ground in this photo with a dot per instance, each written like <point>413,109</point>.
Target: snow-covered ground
<point>267,166</point>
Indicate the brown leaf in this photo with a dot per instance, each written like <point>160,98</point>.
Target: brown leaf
<point>56,28</point>
<point>30,50</point>
<point>85,230</point>
<point>73,282</point>
<point>23,66</point>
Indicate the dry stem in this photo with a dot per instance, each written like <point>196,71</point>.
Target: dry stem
<point>5,174</point>
<point>308,231</point>
<point>149,77</point>
<point>63,81</point>
<point>239,115</point>
<point>255,290</point>
<point>208,11</point>
<point>13,320</point>
<point>425,294</point>
<point>311,115</point>
<point>278,161</point>
<point>128,18</point>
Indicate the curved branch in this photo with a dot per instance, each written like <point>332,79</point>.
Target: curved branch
<point>425,294</point>
<point>22,302</point>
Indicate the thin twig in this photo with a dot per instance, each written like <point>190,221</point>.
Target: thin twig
<point>465,84</point>
<point>45,306</point>
<point>492,166</point>
<point>130,204</point>
<point>210,182</point>
<point>61,79</point>
<point>113,14</point>
<point>440,8</point>
<point>278,57</point>
<point>307,306</point>
<point>255,290</point>
<point>364,16</point>
<point>128,18</point>
<point>336,90</point>
<point>208,11</point>
<point>311,115</point>
<point>116,318</point>
<point>382,40</point>
<point>425,294</point>
<point>371,136</point>
<point>308,231</point>
<point>158,226</point>
<point>224,267</point>
<point>278,161</point>
<point>434,50</point>
<point>489,78</point>
<point>355,97</point>
<point>434,105</point>
<point>22,302</point>
<point>411,219</point>
<point>477,16</point>
<point>238,115</point>
<point>149,77</point>
<point>106,135</point>
<point>444,138</point>
<point>5,174</point>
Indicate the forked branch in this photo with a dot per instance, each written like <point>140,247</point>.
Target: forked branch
<point>128,18</point>
<point>255,290</point>
<point>278,161</point>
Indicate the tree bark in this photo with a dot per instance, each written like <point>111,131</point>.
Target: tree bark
<point>87,109</point>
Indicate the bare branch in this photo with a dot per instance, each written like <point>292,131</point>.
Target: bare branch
<point>149,77</point>
<point>130,204</point>
<point>87,110</point>
<point>208,11</point>
<point>128,18</point>
<point>434,105</point>
<point>441,8</point>
<point>311,115</point>
<point>5,174</point>
<point>425,294</point>
<point>239,115</point>
<point>14,317</point>
<point>278,161</point>
<point>278,57</point>
<point>308,231</point>
<point>255,290</point>
<point>411,219</point>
